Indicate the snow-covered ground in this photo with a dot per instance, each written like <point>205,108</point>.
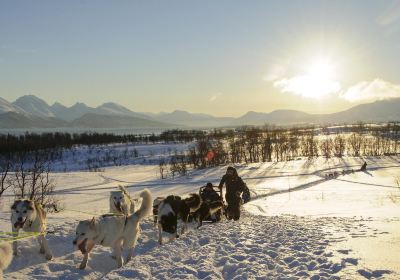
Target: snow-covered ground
<point>299,225</point>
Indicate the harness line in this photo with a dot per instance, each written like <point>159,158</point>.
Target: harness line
<point>18,236</point>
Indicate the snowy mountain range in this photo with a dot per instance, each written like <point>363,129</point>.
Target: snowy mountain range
<point>30,111</point>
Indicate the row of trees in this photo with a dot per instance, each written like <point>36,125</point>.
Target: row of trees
<point>265,145</point>
<point>57,140</point>
<point>31,154</point>
<point>28,175</point>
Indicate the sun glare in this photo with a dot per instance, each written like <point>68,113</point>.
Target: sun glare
<point>317,80</point>
<point>320,79</point>
<point>321,69</point>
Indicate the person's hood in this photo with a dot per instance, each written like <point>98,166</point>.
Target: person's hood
<point>235,173</point>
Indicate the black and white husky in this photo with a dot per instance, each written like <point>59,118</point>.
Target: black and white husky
<point>207,209</point>
<point>156,203</point>
<point>116,231</point>
<point>30,217</point>
<point>172,209</point>
<point>121,202</point>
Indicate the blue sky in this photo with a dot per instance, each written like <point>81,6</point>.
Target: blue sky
<point>218,57</point>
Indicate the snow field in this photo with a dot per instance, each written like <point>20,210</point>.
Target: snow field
<point>343,228</point>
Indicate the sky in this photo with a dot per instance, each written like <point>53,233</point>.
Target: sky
<point>223,57</point>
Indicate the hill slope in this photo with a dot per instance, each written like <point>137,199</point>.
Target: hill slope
<point>37,113</point>
<point>35,106</point>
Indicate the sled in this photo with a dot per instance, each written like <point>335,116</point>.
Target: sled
<point>218,215</point>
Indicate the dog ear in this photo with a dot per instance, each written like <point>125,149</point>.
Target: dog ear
<point>14,206</point>
<point>30,205</point>
<point>92,223</point>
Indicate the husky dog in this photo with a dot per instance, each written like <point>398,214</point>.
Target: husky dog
<point>173,208</point>
<point>156,203</point>
<point>5,257</point>
<point>30,217</point>
<point>121,202</point>
<point>116,231</point>
<point>193,202</point>
<point>207,209</point>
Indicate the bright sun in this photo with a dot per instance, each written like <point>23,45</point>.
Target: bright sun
<point>322,69</point>
<point>317,80</point>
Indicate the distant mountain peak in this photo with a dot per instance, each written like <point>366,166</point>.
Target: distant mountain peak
<point>34,105</point>
<point>79,104</point>
<point>58,105</point>
<point>111,104</point>
<point>112,108</point>
<point>30,96</point>
<point>31,111</point>
<point>179,112</point>
<point>6,107</point>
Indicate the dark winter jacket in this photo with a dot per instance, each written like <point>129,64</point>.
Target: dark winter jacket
<point>234,187</point>
<point>209,194</point>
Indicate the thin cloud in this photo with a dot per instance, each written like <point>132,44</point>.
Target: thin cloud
<point>214,97</point>
<point>307,86</point>
<point>377,89</point>
<point>275,73</point>
<point>390,15</point>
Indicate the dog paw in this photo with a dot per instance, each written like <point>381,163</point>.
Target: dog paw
<point>49,256</point>
<point>113,257</point>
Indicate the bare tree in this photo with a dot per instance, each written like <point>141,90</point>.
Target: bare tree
<point>355,142</point>
<point>252,144</point>
<point>235,151</point>
<point>267,149</point>
<point>309,145</point>
<point>193,158</point>
<point>203,147</point>
<point>326,146</point>
<point>21,174</point>
<point>41,185</point>
<point>339,146</point>
<point>5,167</point>
<point>177,165</point>
<point>162,168</point>
<point>32,178</point>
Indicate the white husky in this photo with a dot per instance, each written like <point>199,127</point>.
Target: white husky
<point>121,202</point>
<point>30,217</point>
<point>116,231</point>
<point>5,257</point>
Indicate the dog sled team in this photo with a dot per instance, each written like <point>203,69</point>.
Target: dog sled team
<point>121,228</point>
<point>335,174</point>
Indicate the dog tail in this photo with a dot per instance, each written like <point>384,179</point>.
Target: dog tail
<point>147,204</point>
<point>6,255</point>
<point>193,201</point>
